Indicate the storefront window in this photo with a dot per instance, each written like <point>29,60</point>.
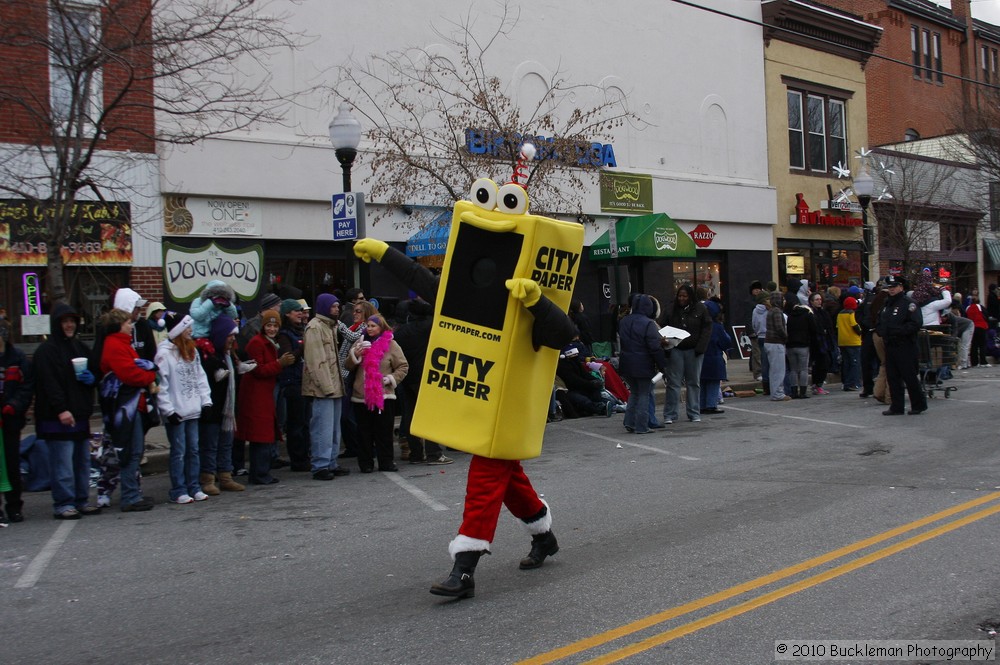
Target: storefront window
<point>700,274</point>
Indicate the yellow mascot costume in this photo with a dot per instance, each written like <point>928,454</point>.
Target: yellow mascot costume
<point>500,320</point>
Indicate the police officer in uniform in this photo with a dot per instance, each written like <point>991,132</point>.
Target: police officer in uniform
<point>898,325</point>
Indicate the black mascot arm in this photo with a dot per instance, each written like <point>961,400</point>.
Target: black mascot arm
<point>552,327</point>
<point>409,272</point>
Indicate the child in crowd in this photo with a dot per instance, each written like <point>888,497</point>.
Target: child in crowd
<point>184,392</point>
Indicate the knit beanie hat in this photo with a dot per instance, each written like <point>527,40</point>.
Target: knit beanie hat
<point>324,302</point>
<point>268,316</point>
<point>762,297</point>
<point>177,323</point>
<point>772,286</point>
<point>269,301</point>
<point>850,303</point>
<point>289,305</point>
<point>220,330</point>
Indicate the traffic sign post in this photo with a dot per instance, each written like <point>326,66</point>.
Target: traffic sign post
<point>348,216</point>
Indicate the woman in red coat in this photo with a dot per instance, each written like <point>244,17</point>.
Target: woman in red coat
<point>256,415</point>
<point>975,312</point>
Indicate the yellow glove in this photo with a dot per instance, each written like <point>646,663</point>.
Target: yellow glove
<point>525,290</point>
<point>367,249</point>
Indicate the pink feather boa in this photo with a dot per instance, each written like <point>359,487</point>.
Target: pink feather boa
<point>372,364</point>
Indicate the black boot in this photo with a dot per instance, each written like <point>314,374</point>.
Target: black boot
<point>767,387</point>
<point>459,583</point>
<point>804,392</point>
<point>542,545</point>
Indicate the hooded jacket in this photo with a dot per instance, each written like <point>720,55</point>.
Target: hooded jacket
<point>183,385</point>
<point>641,351</point>
<point>57,388</point>
<point>801,327</point>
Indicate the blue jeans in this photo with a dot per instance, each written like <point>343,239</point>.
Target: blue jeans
<point>851,372</point>
<point>637,407</point>
<point>216,448</point>
<point>69,474</point>
<point>710,393</point>
<point>184,463</point>
<point>683,365</point>
<point>324,431</point>
<point>129,474</point>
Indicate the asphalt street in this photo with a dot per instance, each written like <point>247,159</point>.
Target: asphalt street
<point>704,543</point>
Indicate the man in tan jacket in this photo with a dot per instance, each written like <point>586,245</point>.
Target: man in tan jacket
<point>321,380</point>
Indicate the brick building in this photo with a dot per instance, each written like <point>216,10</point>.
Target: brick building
<point>95,122</point>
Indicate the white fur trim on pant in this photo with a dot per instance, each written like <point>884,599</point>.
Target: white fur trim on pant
<point>465,544</point>
<point>541,525</point>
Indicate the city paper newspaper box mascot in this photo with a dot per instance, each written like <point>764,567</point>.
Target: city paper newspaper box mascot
<point>499,322</point>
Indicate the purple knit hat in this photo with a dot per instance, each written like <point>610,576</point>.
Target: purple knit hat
<point>220,329</point>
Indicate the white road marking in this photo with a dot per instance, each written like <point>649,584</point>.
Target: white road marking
<point>634,445</point>
<point>38,564</point>
<point>782,415</point>
<point>421,495</point>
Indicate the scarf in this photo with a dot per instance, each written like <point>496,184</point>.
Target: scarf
<point>229,408</point>
<point>372,365</point>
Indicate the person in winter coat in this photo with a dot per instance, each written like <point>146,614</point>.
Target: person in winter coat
<point>713,366</point>
<point>183,394</point>
<point>758,321</point>
<point>640,358</point>
<point>381,367</point>
<point>217,423</point>
<point>583,387</point>
<point>155,312</point>
<point>256,414</point>
<point>822,353</point>
<point>802,336</point>
<point>775,338</point>
<point>135,378</point>
<point>977,352</point>
<point>413,337</point>
<point>849,339</point>
<point>17,388</point>
<point>296,407</point>
<point>65,401</point>
<point>684,363</point>
<point>323,382</point>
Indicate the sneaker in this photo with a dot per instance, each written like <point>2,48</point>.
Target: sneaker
<point>104,501</point>
<point>3,522</point>
<point>820,390</point>
<point>68,514</point>
<point>241,472</point>
<point>323,474</point>
<point>139,506</point>
<point>200,496</point>
<point>89,509</point>
<point>340,471</point>
<point>696,420</point>
<point>182,499</point>
<point>439,460</point>
<point>609,409</point>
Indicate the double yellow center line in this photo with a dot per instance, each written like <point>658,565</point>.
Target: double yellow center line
<point>771,596</point>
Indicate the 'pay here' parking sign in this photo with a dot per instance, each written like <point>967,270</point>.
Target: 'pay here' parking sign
<point>348,216</point>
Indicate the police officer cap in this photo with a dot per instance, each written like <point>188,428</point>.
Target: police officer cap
<point>893,280</point>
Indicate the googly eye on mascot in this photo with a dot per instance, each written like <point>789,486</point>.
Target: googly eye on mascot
<point>499,321</point>
<point>216,299</point>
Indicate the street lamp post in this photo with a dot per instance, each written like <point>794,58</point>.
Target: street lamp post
<point>345,135</point>
<point>864,186</point>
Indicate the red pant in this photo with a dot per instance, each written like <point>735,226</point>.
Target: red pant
<point>493,482</point>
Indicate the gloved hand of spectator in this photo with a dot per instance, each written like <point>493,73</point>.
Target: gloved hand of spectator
<point>220,374</point>
<point>148,365</point>
<point>174,419</point>
<point>85,377</point>
<point>8,410</point>
<point>248,366</point>
<point>387,380</point>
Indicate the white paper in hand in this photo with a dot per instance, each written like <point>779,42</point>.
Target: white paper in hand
<point>669,332</point>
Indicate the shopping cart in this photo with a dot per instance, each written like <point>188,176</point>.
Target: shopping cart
<point>938,355</point>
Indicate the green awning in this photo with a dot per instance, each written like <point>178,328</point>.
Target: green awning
<point>991,254</point>
<point>651,236</point>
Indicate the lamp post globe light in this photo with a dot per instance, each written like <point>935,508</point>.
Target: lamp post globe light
<point>864,186</point>
<point>345,135</point>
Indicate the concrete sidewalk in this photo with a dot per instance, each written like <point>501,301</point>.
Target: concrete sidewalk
<point>158,448</point>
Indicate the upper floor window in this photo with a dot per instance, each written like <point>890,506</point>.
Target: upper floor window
<point>926,49</point>
<point>817,131</point>
<point>75,80</point>
<point>988,63</point>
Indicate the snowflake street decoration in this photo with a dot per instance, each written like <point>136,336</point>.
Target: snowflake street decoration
<point>842,172</point>
<point>843,196</point>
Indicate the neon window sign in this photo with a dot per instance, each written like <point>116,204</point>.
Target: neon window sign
<point>32,296</point>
